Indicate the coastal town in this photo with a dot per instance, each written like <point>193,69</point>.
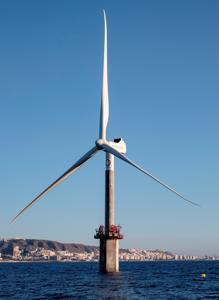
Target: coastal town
<point>34,250</point>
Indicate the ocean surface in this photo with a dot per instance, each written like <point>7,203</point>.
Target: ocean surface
<point>136,280</point>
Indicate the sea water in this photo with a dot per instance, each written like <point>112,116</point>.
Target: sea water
<point>136,280</point>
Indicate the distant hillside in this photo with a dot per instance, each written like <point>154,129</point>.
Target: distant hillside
<point>6,246</point>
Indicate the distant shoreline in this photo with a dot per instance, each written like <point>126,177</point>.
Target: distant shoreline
<point>34,250</point>
<point>83,261</point>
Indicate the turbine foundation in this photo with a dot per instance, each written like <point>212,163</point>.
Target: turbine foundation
<point>109,255</point>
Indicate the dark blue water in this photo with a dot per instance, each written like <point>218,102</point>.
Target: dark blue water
<point>136,280</point>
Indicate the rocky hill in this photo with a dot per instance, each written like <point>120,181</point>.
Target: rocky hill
<point>7,245</point>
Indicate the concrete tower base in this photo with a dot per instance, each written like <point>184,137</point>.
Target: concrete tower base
<point>109,255</point>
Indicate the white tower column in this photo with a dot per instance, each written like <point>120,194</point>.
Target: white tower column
<point>109,192</point>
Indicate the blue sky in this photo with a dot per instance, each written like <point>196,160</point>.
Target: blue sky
<point>164,101</point>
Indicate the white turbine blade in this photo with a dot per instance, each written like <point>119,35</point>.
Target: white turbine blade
<point>69,172</point>
<point>104,111</point>
<point>108,148</point>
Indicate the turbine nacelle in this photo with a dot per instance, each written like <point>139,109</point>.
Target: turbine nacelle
<point>117,144</point>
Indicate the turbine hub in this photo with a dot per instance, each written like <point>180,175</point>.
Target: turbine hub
<point>99,143</point>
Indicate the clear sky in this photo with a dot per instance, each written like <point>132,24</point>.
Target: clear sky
<point>164,101</point>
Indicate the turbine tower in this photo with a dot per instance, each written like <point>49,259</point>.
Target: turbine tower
<point>110,234</point>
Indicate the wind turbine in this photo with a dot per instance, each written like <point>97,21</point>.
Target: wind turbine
<point>117,148</point>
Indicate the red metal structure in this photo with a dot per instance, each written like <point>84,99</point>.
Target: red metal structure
<point>114,233</point>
